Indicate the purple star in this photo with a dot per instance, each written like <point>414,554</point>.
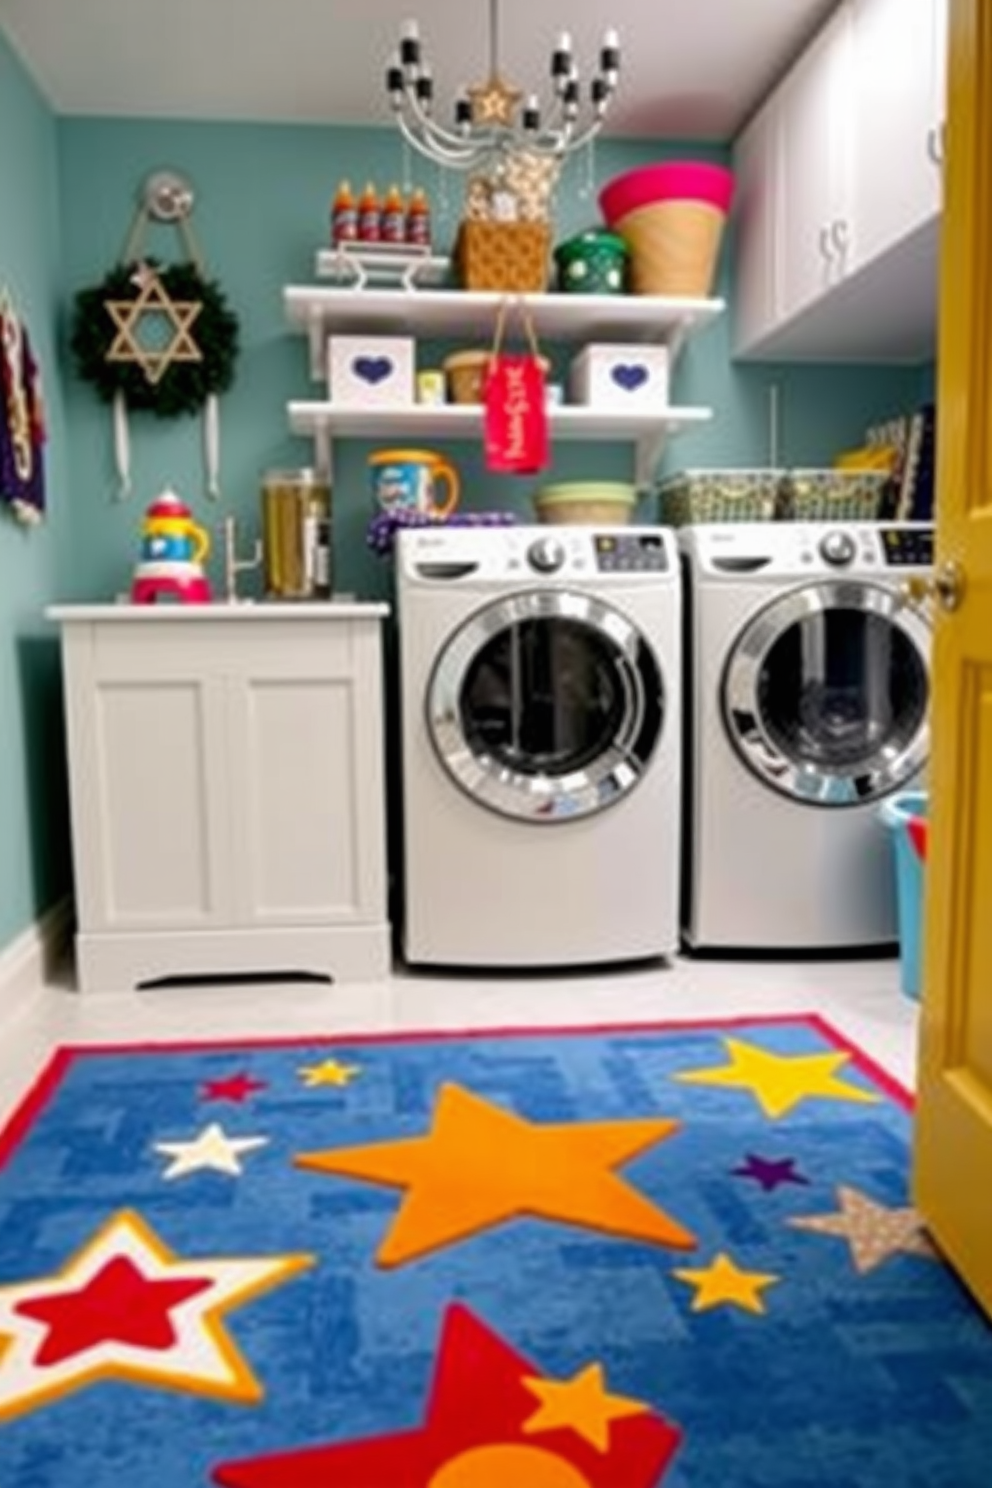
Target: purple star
<point>768,1173</point>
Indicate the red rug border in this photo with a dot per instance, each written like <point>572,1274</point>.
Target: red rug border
<point>64,1056</point>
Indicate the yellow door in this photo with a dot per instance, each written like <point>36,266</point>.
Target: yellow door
<point>953,1161</point>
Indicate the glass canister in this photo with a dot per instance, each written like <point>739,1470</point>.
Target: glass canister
<point>296,534</point>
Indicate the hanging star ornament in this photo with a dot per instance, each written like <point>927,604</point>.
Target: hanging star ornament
<point>874,1232</point>
<point>724,1283</point>
<point>126,1307</point>
<point>331,1072</point>
<point>475,1433</point>
<point>494,102</point>
<point>153,298</point>
<point>780,1082</point>
<point>559,1171</point>
<point>211,1149</point>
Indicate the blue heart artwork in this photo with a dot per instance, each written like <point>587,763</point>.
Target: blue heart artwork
<point>372,370</point>
<point>629,375</point>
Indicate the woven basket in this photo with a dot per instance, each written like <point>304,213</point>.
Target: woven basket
<point>511,256</point>
<point>835,495</point>
<point>674,246</point>
<point>721,496</point>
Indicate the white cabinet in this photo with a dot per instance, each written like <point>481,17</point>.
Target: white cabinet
<point>815,168</point>
<point>896,109</point>
<point>758,197</point>
<point>227,791</point>
<point>440,313</point>
<point>839,193</point>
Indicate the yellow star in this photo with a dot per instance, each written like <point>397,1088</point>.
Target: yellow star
<point>724,1281</point>
<point>331,1072</point>
<point>780,1081</point>
<point>580,1404</point>
<point>154,298</point>
<point>479,1166</point>
<point>494,102</point>
<point>874,1232</point>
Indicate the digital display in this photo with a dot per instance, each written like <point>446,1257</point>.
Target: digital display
<point>908,547</point>
<point>634,552</point>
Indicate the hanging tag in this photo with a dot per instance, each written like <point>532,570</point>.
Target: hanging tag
<point>516,416</point>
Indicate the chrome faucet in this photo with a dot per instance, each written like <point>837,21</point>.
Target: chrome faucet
<point>233,565</point>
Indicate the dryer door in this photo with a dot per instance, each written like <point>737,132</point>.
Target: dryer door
<point>825,694</point>
<point>546,706</point>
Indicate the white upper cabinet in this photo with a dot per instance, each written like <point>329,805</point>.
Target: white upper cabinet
<point>896,111</point>
<point>815,167</point>
<point>757,166</point>
<point>839,191</point>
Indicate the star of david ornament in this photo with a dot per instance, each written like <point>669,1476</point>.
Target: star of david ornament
<point>153,298</point>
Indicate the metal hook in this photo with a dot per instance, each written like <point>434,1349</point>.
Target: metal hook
<point>168,197</point>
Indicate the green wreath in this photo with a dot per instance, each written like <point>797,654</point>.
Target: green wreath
<point>184,386</point>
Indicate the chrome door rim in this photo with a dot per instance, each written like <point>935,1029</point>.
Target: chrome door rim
<point>802,781</point>
<point>545,798</point>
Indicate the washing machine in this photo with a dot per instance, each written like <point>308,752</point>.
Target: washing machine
<point>540,676</point>
<point>808,682</point>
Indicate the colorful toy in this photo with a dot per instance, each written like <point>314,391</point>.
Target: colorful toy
<point>173,550</point>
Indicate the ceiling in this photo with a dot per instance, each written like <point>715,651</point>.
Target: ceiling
<point>691,68</point>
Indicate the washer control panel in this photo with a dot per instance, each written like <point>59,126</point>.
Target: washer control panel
<point>633,552</point>
<point>838,548</point>
<point>546,555</point>
<point>907,547</point>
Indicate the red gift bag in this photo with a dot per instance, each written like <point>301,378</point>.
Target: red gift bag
<point>516,414</point>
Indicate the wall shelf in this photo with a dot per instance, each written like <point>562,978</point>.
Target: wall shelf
<point>647,431</point>
<point>318,310</point>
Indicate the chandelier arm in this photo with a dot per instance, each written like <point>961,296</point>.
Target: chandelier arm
<point>436,150</point>
<point>446,137</point>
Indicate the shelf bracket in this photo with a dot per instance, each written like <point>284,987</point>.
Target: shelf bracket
<point>315,332</point>
<point>323,459</point>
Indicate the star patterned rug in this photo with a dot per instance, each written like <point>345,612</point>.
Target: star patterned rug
<point>620,1258</point>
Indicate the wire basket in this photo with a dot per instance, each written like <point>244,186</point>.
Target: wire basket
<point>721,496</point>
<point>835,495</point>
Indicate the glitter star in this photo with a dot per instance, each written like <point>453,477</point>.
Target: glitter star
<point>212,1148</point>
<point>779,1082</point>
<point>153,298</point>
<point>874,1232</point>
<point>724,1281</point>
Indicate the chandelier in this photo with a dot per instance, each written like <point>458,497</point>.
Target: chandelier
<point>493,118</point>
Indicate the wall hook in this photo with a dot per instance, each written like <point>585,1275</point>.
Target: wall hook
<point>168,197</point>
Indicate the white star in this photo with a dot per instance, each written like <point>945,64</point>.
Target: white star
<point>126,1307</point>
<point>212,1149</point>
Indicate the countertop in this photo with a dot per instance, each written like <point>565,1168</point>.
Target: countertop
<point>219,612</point>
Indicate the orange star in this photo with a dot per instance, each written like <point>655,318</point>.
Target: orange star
<point>580,1404</point>
<point>480,1166</point>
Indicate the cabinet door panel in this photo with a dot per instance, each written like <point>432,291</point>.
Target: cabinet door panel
<point>815,165</point>
<point>159,852</point>
<point>757,228</point>
<point>894,110</point>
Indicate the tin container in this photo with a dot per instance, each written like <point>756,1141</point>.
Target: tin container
<point>296,534</point>
<point>594,262</point>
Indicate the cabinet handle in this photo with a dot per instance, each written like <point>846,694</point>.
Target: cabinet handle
<point>826,244</point>
<point>839,237</point>
<point>933,148</point>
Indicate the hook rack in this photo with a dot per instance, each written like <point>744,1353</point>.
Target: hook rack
<point>168,197</point>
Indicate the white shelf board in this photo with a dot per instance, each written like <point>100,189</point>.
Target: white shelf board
<point>646,430</point>
<point>320,310</point>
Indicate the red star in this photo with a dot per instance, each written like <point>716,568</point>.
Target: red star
<point>479,1407</point>
<point>117,1305</point>
<point>235,1088</point>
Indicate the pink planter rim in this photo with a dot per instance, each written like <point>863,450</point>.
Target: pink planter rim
<point>676,180</point>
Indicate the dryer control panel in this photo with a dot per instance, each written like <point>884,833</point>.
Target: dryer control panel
<point>907,547</point>
<point>633,552</point>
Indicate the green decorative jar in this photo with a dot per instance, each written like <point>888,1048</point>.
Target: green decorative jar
<point>594,262</point>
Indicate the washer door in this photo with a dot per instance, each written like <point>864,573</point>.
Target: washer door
<point>826,694</point>
<point>546,706</point>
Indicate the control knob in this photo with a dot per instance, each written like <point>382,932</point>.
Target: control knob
<point>838,549</point>
<point>546,555</point>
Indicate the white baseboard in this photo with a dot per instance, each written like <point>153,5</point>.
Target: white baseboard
<point>27,962</point>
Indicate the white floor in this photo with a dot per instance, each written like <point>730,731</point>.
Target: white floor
<point>861,999</point>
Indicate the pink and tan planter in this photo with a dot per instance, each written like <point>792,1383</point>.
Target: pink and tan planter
<point>672,217</point>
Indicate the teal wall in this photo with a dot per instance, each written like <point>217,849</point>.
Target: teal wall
<point>262,200</point>
<point>33,831</point>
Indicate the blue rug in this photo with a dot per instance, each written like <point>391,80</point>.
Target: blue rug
<point>609,1259</point>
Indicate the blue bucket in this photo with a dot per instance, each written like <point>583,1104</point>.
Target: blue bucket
<point>897,812</point>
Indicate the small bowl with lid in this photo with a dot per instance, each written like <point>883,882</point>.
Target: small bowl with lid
<point>586,503</point>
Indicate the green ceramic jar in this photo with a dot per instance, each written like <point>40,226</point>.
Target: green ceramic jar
<point>594,262</point>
